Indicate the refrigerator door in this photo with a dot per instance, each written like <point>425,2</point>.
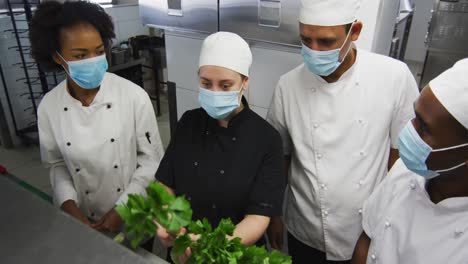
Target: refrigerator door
<point>274,21</point>
<point>447,36</point>
<point>186,15</point>
<point>449,26</point>
<point>436,63</point>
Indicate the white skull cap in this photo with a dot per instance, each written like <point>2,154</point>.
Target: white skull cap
<point>451,89</point>
<point>228,50</point>
<point>328,12</point>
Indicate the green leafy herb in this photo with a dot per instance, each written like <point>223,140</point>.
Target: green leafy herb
<point>140,213</point>
<point>173,213</point>
<point>213,246</point>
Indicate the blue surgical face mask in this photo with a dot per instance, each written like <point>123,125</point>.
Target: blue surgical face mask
<point>219,105</point>
<point>87,73</point>
<point>414,152</point>
<point>324,63</point>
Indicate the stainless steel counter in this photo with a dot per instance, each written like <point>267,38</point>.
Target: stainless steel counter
<point>33,231</point>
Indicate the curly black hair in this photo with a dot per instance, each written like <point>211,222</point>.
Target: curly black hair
<point>51,17</point>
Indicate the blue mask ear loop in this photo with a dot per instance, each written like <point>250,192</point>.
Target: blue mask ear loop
<point>350,44</point>
<point>241,93</point>
<point>450,148</point>
<point>65,62</point>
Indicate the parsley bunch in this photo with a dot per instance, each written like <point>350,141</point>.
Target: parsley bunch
<point>174,213</point>
<point>140,213</point>
<point>213,246</point>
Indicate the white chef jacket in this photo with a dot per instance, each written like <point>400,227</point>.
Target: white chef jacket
<point>405,226</point>
<point>339,135</point>
<point>99,154</point>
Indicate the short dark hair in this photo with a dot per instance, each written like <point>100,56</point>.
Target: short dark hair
<point>51,17</point>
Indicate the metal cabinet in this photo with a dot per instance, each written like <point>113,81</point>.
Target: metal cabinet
<point>447,37</point>
<point>274,21</point>
<point>189,15</point>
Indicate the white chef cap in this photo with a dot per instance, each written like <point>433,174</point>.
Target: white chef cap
<point>328,12</point>
<point>451,89</point>
<point>228,50</point>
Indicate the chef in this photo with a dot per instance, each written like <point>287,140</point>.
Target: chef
<point>98,132</point>
<point>339,115</point>
<point>224,158</point>
<point>419,213</point>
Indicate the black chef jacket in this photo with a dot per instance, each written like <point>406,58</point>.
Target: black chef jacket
<point>226,172</point>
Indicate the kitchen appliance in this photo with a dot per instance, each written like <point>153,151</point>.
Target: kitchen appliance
<point>188,15</point>
<point>120,55</point>
<point>272,21</point>
<point>447,37</point>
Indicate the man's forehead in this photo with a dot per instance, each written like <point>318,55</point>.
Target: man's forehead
<point>431,109</point>
<point>326,31</point>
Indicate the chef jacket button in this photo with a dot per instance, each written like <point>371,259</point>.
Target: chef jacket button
<point>116,166</point>
<point>412,186</point>
<point>325,213</point>
<point>316,125</point>
<point>221,171</point>
<point>207,132</point>
<point>109,106</point>
<point>68,144</point>
<point>213,206</point>
<point>77,169</point>
<point>313,90</point>
<point>118,190</point>
<point>361,182</point>
<point>112,140</point>
<point>319,156</point>
<point>87,192</point>
<point>387,224</point>
<point>65,109</point>
<point>360,121</point>
<point>357,83</point>
<point>195,163</point>
<point>373,257</point>
<point>361,153</point>
<point>322,186</point>
<point>234,139</point>
<point>360,211</point>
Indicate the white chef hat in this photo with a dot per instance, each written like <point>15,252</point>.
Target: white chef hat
<point>328,12</point>
<point>451,89</point>
<point>228,50</point>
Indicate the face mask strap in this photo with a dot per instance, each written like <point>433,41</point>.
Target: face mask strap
<point>350,45</point>
<point>452,168</point>
<point>450,148</point>
<point>63,61</point>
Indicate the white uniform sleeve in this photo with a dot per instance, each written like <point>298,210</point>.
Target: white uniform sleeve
<point>149,148</point>
<point>371,210</point>
<point>277,119</point>
<point>60,178</point>
<point>408,92</point>
<point>374,208</point>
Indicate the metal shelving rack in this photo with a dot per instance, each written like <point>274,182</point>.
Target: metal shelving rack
<point>34,78</point>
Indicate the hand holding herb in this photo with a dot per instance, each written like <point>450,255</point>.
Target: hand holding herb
<point>199,243</point>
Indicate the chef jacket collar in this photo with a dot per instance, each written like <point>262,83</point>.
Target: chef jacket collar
<point>104,95</point>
